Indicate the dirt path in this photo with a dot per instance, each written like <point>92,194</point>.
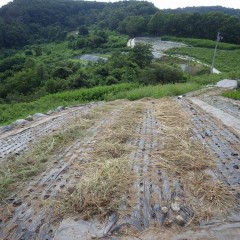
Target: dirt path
<point>182,177</point>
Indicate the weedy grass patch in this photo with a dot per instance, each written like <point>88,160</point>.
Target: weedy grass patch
<point>234,94</point>
<point>16,170</point>
<point>206,43</point>
<point>226,60</point>
<point>11,112</point>
<point>157,91</point>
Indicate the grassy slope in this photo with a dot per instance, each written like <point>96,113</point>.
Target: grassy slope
<point>11,112</point>
<point>205,43</point>
<point>234,94</point>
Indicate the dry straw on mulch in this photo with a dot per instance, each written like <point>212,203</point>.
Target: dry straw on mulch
<point>108,176</point>
<point>100,189</point>
<point>183,156</point>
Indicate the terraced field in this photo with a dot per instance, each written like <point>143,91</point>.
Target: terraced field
<point>148,169</point>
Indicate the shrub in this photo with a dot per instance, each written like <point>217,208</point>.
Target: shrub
<point>162,73</point>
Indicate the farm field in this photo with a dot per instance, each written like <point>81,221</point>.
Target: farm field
<point>124,170</point>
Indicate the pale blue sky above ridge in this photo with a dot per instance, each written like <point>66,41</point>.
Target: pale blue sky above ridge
<point>176,3</point>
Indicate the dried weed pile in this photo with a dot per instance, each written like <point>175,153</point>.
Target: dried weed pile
<point>186,158</point>
<point>108,175</point>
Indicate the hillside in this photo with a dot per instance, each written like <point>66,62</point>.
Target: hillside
<point>25,21</point>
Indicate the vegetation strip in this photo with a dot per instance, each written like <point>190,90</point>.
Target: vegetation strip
<point>17,170</point>
<point>11,112</point>
<point>130,91</point>
<point>184,157</point>
<point>107,175</point>
<point>234,94</point>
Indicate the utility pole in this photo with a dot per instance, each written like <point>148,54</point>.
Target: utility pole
<point>215,51</point>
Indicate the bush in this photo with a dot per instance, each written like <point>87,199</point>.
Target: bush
<point>111,80</point>
<point>162,73</point>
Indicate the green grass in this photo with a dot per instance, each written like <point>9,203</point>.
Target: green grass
<point>234,94</point>
<point>157,91</point>
<point>208,78</point>
<point>226,60</point>
<point>11,112</point>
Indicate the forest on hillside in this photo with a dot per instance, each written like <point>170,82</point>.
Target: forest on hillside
<point>24,22</point>
<point>229,11</point>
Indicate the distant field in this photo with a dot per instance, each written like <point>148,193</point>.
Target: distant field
<point>226,60</point>
<point>205,43</point>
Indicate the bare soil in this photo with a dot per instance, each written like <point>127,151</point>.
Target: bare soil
<point>180,178</point>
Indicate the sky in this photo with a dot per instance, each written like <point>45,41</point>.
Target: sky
<point>179,3</point>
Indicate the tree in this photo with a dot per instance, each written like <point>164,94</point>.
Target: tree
<point>83,30</point>
<point>62,72</point>
<point>133,26</point>
<point>141,54</point>
<point>161,73</point>
<point>41,73</point>
<point>38,51</point>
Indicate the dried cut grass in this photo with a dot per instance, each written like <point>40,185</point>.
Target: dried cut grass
<point>110,150</point>
<point>100,190</point>
<point>18,169</point>
<point>209,197</point>
<point>108,176</point>
<point>185,157</point>
<point>181,153</point>
<point>113,142</point>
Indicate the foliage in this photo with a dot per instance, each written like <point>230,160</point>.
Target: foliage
<point>161,73</point>
<point>133,26</point>
<point>11,112</point>
<point>234,94</point>
<point>25,22</point>
<point>229,11</point>
<point>141,54</point>
<point>40,68</point>
<point>157,91</point>
<point>196,25</point>
<point>50,68</point>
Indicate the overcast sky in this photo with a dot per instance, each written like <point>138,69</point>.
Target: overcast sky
<point>179,3</point>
